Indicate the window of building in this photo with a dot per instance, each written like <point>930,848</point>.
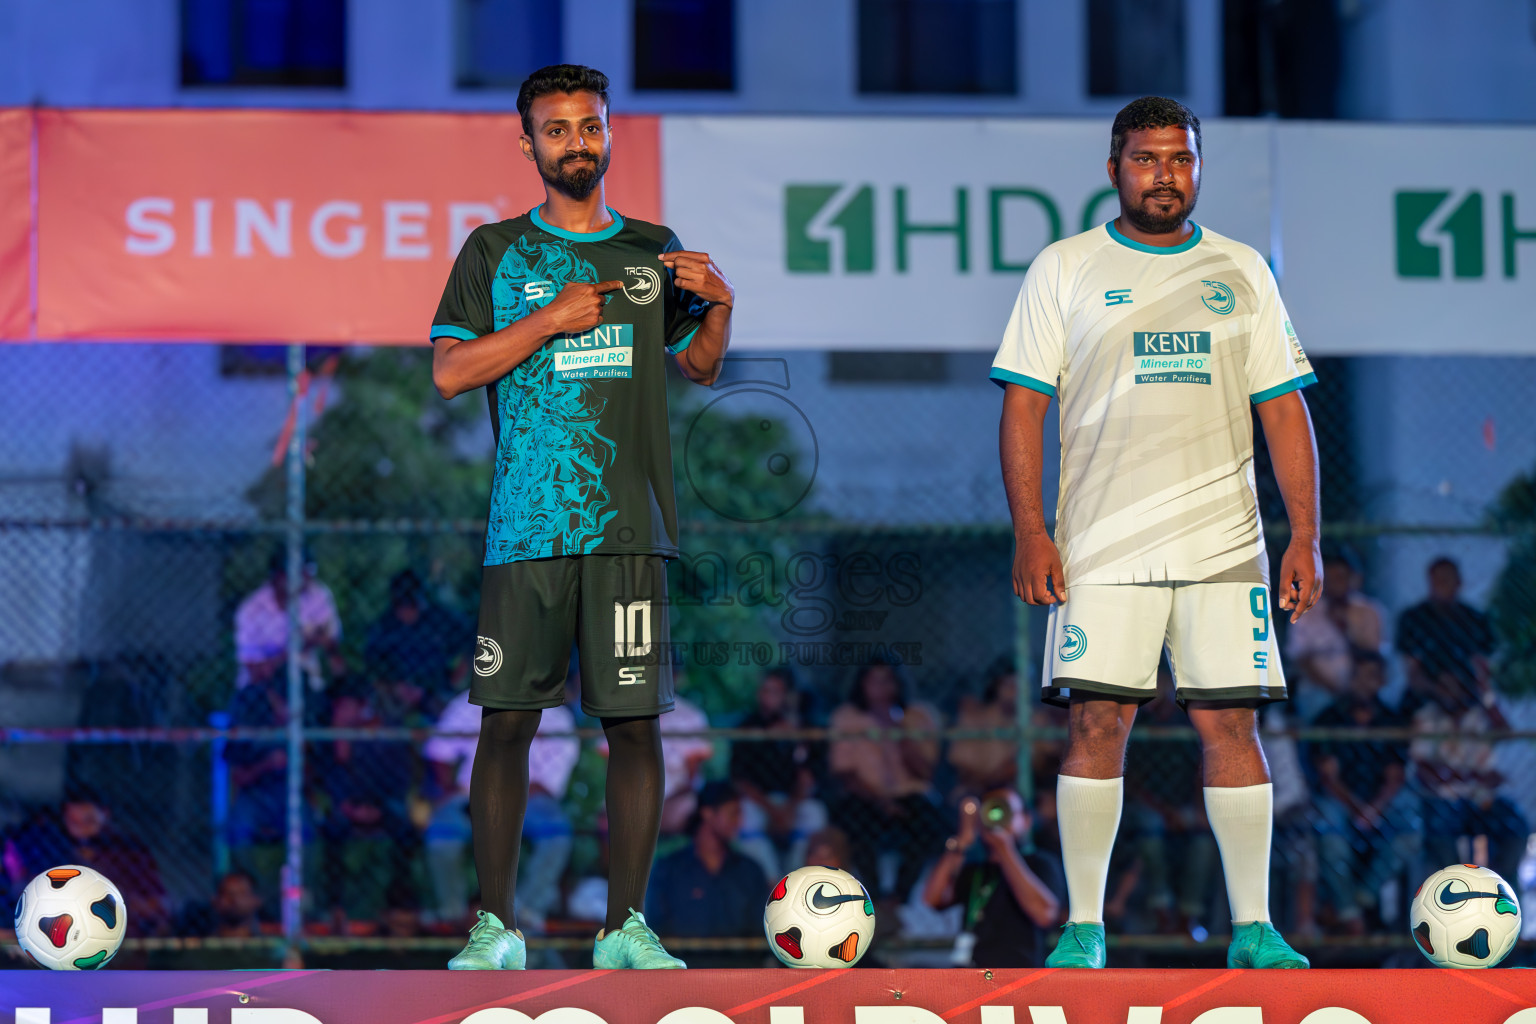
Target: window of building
<point>685,45</point>
<point>1136,48</point>
<point>264,42</point>
<point>501,42</point>
<point>938,46</point>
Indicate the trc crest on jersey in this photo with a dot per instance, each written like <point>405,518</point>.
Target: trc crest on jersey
<point>643,284</point>
<point>1221,300</point>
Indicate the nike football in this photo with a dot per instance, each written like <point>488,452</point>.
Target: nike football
<point>819,917</point>
<point>1465,916</point>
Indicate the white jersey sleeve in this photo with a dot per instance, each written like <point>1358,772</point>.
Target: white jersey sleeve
<point>1034,344</point>
<point>1276,363</point>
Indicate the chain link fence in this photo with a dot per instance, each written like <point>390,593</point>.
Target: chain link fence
<point>840,511</point>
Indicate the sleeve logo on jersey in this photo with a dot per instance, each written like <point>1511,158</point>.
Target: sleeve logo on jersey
<point>1173,357</point>
<point>645,286</point>
<point>1221,300</point>
<point>604,352</point>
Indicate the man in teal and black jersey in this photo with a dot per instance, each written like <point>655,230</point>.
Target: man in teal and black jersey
<point>565,316</point>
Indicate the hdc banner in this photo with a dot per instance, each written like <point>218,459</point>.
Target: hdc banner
<point>911,233</point>
<point>1409,239</point>
<point>279,225</point>
<point>15,223</point>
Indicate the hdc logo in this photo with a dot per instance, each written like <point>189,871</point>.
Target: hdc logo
<point>833,228</point>
<point>1429,223</point>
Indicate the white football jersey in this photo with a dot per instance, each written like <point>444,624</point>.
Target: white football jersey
<point>1154,354</point>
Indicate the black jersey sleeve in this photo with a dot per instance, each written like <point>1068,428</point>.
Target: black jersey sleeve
<point>464,312</point>
<point>685,310</point>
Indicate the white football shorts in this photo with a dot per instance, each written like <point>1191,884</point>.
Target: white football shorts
<point>1220,639</point>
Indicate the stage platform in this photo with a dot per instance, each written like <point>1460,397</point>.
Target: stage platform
<point>771,997</point>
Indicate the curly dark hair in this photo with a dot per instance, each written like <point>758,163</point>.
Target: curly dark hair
<point>560,78</point>
<point>1139,115</point>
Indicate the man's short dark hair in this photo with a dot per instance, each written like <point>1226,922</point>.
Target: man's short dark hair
<point>1445,562</point>
<point>1141,115</point>
<point>560,78</point>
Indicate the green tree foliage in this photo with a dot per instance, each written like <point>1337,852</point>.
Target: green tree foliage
<point>396,477</point>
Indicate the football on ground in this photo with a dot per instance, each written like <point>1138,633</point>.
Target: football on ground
<point>1465,916</point>
<point>819,917</point>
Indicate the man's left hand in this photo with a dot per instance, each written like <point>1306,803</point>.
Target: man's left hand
<point>1301,576</point>
<point>697,273</point>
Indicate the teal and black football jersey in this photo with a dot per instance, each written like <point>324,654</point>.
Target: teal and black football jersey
<point>583,455</point>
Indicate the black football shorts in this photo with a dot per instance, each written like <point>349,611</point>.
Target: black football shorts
<point>612,607</point>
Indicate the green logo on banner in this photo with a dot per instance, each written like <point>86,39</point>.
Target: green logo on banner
<point>809,232</point>
<point>1462,224</point>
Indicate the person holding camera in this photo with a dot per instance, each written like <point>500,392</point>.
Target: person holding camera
<point>1011,899</point>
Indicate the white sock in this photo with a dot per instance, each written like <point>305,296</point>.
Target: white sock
<point>1088,815</point>
<point>1242,818</point>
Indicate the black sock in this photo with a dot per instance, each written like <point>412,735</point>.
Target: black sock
<point>498,798</point>
<point>635,784</point>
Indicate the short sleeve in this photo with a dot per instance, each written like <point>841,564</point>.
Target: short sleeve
<point>1276,363</point>
<point>1034,343</point>
<point>684,310</point>
<point>464,312</point>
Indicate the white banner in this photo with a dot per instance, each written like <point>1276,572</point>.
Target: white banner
<point>910,233</point>
<point>845,233</point>
<point>1409,239</point>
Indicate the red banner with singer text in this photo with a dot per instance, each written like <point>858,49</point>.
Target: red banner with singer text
<point>265,225</point>
<point>15,223</point>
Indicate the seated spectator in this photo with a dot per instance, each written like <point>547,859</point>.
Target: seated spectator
<point>82,833</point>
<point>776,779</point>
<point>370,837</point>
<point>1011,899</point>
<point>888,801</point>
<point>546,828</point>
<point>1462,800</point>
<point>982,765</point>
<point>1371,820</point>
<point>1176,854</point>
<point>418,635</point>
<point>261,629</point>
<point>707,889</point>
<point>1320,649</point>
<point>1443,634</point>
<point>1294,863</point>
<point>258,773</point>
<point>829,848</point>
<point>233,913</point>
<point>683,757</point>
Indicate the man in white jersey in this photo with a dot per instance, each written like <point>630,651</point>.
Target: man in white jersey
<point>1156,336</point>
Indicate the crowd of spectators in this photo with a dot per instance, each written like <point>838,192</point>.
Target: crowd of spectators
<point>935,829</point>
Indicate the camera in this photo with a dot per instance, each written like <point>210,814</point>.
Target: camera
<point>996,811</point>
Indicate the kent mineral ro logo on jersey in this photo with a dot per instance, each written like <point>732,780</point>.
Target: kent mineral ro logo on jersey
<point>605,352</point>
<point>1173,357</point>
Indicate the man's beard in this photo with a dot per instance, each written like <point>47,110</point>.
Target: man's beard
<point>1145,217</point>
<point>575,176</point>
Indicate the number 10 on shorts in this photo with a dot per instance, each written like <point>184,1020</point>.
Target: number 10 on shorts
<point>631,629</point>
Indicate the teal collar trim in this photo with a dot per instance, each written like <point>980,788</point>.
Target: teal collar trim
<point>1157,250</point>
<point>578,236</point>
